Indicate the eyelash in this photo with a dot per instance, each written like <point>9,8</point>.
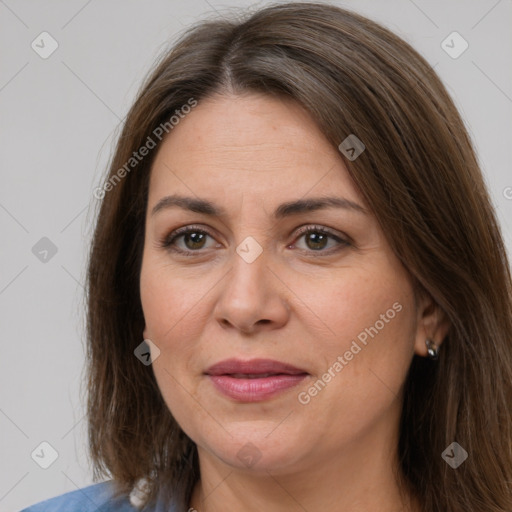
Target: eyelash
<point>168,241</point>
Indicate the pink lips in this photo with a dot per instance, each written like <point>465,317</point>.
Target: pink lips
<point>254,380</point>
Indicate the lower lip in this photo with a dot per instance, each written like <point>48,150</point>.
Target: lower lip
<point>255,390</point>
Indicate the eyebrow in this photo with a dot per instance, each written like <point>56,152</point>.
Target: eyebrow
<point>287,209</point>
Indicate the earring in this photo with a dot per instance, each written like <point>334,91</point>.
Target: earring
<point>432,349</point>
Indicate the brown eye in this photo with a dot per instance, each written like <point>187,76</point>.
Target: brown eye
<point>317,239</point>
<point>195,239</point>
<point>186,240</point>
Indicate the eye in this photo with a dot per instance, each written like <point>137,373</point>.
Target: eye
<point>192,237</point>
<point>317,238</point>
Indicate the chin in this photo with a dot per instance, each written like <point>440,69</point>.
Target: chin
<point>258,452</point>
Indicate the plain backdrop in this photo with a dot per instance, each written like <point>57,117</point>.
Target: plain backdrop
<point>58,120</point>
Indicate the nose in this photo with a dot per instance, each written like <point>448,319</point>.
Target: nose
<point>252,298</point>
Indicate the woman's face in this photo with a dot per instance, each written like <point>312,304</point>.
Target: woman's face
<point>333,308</point>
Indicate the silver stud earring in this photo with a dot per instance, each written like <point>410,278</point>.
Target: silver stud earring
<point>432,349</point>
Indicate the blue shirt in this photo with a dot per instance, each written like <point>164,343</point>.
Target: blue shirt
<point>95,498</point>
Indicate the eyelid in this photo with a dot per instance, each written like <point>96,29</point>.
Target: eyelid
<point>167,240</point>
<point>341,239</point>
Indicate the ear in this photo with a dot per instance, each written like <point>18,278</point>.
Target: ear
<point>432,323</point>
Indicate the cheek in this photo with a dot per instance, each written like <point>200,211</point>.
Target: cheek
<point>171,312</point>
<point>368,341</point>
<point>365,306</point>
<point>171,305</point>
<point>176,308</point>
<point>363,366</point>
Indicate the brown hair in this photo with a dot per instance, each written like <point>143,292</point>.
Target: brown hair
<point>421,178</point>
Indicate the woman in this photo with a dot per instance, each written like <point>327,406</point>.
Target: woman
<point>296,225</point>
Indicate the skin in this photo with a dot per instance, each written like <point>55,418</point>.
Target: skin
<point>298,302</point>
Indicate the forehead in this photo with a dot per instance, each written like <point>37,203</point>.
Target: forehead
<point>255,145</point>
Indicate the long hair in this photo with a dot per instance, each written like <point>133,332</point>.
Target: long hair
<point>420,177</point>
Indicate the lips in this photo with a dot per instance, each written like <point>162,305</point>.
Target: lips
<point>253,369</point>
<point>255,380</point>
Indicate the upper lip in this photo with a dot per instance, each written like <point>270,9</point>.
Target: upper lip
<point>252,367</point>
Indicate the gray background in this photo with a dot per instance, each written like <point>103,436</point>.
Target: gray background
<point>58,120</point>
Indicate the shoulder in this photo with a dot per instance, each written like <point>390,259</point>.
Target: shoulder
<point>94,498</point>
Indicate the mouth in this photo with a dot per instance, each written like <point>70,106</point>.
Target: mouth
<point>253,375</point>
<point>253,368</point>
<point>254,380</point>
